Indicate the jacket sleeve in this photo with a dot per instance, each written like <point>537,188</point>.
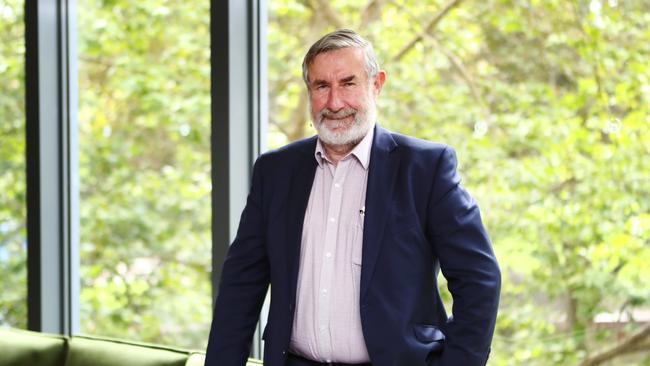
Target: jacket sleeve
<point>467,262</point>
<point>243,286</point>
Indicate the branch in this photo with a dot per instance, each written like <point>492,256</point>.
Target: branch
<point>557,188</point>
<point>371,13</point>
<point>596,65</point>
<point>629,345</point>
<point>458,65</point>
<point>429,28</point>
<point>297,119</point>
<point>307,4</point>
<point>173,258</point>
<point>641,347</point>
<point>97,60</point>
<point>323,7</point>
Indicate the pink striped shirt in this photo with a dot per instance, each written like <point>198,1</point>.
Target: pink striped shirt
<point>327,322</point>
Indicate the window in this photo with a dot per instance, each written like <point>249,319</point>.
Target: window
<point>13,236</point>
<point>548,107</point>
<point>144,166</point>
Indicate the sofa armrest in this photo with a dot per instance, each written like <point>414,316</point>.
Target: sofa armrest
<point>198,359</point>
<point>87,351</point>
<point>21,348</point>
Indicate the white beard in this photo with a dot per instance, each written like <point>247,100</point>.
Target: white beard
<point>331,133</point>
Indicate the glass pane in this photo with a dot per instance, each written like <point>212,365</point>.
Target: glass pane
<point>144,151</point>
<point>13,233</point>
<point>548,106</point>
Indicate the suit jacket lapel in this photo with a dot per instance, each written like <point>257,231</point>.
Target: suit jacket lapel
<point>299,190</point>
<point>381,179</point>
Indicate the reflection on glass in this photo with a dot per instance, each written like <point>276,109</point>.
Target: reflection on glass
<point>13,234</point>
<point>144,111</point>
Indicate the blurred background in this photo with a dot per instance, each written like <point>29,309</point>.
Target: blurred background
<point>546,102</point>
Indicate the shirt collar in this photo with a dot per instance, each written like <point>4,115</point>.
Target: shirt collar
<point>361,151</point>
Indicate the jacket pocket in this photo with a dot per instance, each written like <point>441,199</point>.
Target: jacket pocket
<point>431,335</point>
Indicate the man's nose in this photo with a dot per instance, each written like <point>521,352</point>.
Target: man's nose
<point>334,100</point>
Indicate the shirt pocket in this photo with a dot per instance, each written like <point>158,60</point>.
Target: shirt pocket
<point>356,254</point>
<point>357,241</point>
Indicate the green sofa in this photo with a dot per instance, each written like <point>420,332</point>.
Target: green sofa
<point>25,348</point>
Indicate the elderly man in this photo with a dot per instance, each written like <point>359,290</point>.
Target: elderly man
<point>350,228</point>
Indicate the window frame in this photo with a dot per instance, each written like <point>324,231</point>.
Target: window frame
<point>238,129</point>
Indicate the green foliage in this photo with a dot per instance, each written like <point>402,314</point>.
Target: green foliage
<point>144,110</point>
<point>546,102</point>
<point>548,106</point>
<point>144,151</point>
<point>13,250</point>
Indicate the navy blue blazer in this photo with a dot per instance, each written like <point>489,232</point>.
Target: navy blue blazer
<point>418,220</point>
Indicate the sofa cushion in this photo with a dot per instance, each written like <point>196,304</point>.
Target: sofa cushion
<point>31,348</point>
<point>198,359</point>
<point>87,351</point>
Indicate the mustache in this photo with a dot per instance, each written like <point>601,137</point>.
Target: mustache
<point>343,113</point>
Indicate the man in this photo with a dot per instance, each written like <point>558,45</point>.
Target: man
<point>350,228</point>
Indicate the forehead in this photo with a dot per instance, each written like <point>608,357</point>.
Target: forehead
<point>338,63</point>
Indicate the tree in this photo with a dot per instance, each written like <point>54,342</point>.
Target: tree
<point>13,250</point>
<point>144,151</point>
<point>546,104</point>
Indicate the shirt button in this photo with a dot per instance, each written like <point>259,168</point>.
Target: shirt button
<point>332,219</point>
<point>324,290</point>
<point>337,185</point>
<point>328,255</point>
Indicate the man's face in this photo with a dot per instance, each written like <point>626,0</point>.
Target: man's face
<point>342,100</point>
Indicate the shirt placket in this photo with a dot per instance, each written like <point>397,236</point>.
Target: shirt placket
<point>327,269</point>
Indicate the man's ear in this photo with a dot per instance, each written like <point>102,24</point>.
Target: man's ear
<point>380,79</point>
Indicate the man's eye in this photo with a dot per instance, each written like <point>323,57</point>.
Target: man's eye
<point>349,83</point>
